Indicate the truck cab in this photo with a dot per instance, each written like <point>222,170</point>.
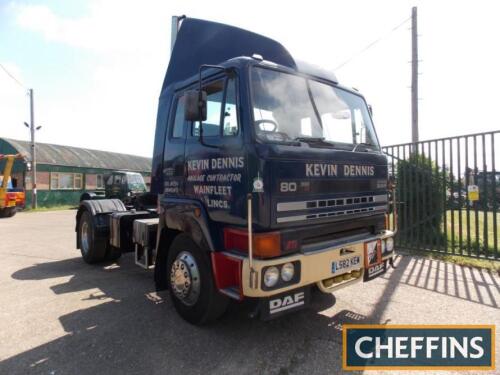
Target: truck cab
<point>269,178</point>
<point>123,185</point>
<point>265,153</point>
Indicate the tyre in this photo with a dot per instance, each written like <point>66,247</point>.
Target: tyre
<point>191,283</point>
<point>7,212</point>
<point>93,248</point>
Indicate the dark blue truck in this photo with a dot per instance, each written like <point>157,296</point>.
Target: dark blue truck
<point>267,181</point>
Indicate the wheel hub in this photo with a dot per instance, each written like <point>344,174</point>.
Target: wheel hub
<point>185,278</point>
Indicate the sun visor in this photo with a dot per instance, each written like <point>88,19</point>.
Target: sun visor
<point>203,42</point>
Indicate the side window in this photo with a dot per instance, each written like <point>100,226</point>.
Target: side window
<point>100,181</point>
<point>66,181</point>
<point>230,118</point>
<point>215,95</point>
<point>78,181</point>
<point>178,127</point>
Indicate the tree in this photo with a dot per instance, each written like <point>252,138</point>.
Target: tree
<point>420,189</point>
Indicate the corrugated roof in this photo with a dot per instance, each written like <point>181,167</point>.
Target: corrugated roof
<point>82,157</point>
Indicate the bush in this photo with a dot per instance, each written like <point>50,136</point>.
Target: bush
<point>420,189</point>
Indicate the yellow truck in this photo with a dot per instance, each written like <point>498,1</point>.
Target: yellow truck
<point>9,200</point>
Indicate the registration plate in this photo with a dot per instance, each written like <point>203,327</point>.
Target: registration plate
<point>344,264</point>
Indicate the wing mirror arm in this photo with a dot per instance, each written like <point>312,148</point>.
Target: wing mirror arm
<point>202,98</point>
<point>196,101</point>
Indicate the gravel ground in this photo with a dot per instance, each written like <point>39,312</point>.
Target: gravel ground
<point>59,315</point>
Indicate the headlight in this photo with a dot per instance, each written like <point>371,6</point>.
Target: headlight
<point>287,272</point>
<point>389,244</point>
<point>271,276</point>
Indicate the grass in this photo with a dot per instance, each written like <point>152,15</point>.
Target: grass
<point>480,239</point>
<point>482,243</point>
<point>52,208</point>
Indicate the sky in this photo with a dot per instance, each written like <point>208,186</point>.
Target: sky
<point>96,66</point>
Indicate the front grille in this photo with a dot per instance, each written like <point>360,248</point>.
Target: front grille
<point>333,202</point>
<point>311,210</point>
<point>322,215</point>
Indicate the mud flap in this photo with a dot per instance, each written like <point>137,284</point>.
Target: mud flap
<point>375,271</point>
<point>281,304</point>
<point>374,264</point>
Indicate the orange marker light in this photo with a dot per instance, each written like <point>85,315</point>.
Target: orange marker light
<point>265,245</point>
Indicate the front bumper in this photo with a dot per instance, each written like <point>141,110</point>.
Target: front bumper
<point>315,267</point>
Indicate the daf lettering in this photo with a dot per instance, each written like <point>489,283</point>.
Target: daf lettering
<point>287,302</point>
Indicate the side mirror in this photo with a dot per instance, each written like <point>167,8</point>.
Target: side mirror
<point>195,105</point>
<point>370,109</point>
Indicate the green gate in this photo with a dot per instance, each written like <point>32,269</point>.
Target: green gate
<point>448,194</point>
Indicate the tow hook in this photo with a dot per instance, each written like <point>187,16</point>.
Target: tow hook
<point>254,309</point>
<point>254,313</point>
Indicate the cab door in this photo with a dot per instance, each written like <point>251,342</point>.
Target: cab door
<point>173,155</point>
<point>216,162</point>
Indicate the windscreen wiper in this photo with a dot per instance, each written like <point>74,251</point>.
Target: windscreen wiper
<point>309,139</point>
<point>320,141</point>
<point>368,147</point>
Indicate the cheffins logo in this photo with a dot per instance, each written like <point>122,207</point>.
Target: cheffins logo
<point>425,347</point>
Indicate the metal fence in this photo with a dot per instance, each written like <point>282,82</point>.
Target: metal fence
<point>448,194</point>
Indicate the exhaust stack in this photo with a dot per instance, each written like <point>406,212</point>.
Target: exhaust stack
<point>176,24</point>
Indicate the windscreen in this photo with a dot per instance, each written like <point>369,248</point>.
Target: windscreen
<point>9,183</point>
<point>289,108</point>
<point>136,182</point>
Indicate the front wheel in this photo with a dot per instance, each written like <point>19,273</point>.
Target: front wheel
<point>192,288</point>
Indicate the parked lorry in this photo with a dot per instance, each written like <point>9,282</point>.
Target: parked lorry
<point>11,198</point>
<point>268,181</point>
<point>124,185</point>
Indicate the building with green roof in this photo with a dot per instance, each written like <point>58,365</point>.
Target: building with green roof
<point>65,172</point>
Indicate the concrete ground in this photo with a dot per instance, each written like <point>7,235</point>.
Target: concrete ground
<point>59,315</point>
